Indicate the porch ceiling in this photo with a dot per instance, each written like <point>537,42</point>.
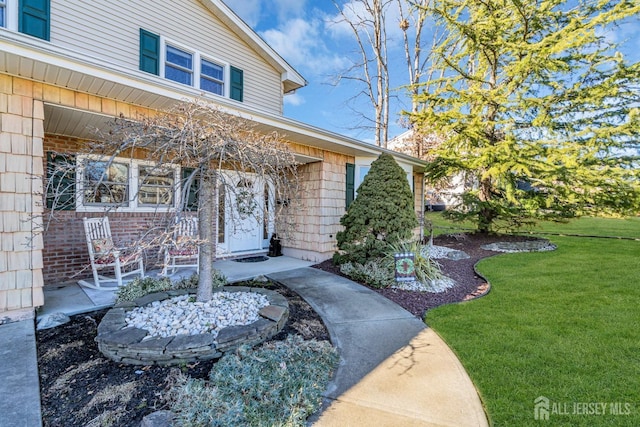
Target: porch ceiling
<point>75,123</point>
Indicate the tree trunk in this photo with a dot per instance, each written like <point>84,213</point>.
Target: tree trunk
<point>486,214</point>
<point>208,245</point>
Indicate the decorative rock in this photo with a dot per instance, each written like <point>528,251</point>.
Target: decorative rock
<point>169,317</point>
<point>250,313</point>
<point>123,337</point>
<point>440,252</point>
<point>272,312</point>
<point>540,245</point>
<point>52,320</point>
<point>457,255</point>
<point>158,419</point>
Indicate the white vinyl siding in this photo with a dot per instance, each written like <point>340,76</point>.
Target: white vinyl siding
<point>99,30</point>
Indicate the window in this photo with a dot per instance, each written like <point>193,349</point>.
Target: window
<point>105,184</point>
<point>189,67</point>
<point>61,181</point>
<point>3,13</point>
<point>190,184</point>
<point>211,77</point>
<point>178,66</point>
<point>362,172</point>
<point>130,185</point>
<point>156,186</point>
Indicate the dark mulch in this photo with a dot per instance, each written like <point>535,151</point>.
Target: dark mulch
<point>73,371</point>
<point>468,283</point>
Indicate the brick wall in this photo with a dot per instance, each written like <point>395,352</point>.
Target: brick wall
<point>65,254</point>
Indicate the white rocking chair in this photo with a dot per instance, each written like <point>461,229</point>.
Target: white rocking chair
<point>183,251</point>
<point>104,255</point>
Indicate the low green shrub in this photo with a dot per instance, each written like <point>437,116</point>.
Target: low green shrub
<point>278,384</point>
<point>373,273</point>
<point>140,287</point>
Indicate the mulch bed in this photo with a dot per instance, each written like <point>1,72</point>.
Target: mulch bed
<point>468,283</point>
<point>73,373</point>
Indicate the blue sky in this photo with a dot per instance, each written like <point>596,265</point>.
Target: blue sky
<point>306,34</point>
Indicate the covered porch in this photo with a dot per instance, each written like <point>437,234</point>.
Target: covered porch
<point>71,298</point>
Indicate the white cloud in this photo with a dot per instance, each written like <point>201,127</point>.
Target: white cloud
<point>294,99</point>
<point>287,9</point>
<point>355,12</point>
<point>301,43</point>
<point>249,10</point>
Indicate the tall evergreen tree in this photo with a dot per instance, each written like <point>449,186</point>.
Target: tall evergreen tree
<point>382,213</point>
<point>536,102</point>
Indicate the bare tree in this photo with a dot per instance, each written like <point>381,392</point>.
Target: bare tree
<point>367,21</point>
<point>220,149</point>
<point>372,23</point>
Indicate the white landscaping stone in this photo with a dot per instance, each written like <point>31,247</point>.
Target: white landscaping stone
<point>178,315</point>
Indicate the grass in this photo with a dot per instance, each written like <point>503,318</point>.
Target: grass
<point>561,324</point>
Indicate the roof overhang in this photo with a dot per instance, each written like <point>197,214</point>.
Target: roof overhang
<point>39,61</point>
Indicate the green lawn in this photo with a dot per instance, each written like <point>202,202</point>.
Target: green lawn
<point>562,324</point>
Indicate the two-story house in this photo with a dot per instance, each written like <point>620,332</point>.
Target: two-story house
<point>68,65</point>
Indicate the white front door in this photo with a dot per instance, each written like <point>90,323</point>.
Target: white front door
<point>244,227</point>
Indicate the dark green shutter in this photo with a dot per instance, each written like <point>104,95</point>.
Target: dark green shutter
<point>61,181</point>
<point>191,198</point>
<point>149,52</point>
<point>351,179</point>
<point>34,18</point>
<point>237,84</point>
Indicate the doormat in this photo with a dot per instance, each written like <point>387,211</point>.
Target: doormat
<point>252,259</point>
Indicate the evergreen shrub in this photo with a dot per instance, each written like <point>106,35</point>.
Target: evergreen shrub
<point>382,214</point>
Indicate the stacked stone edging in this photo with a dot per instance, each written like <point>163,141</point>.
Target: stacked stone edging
<point>124,344</point>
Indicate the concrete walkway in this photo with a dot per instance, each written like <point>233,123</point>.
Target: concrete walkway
<point>393,370</point>
<point>19,382</point>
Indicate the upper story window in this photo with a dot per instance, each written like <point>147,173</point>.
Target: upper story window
<point>178,65</point>
<point>189,67</point>
<point>3,13</point>
<point>211,77</point>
